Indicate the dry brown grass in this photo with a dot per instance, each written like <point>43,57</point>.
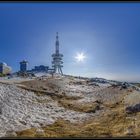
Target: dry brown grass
<point>27,133</point>
<point>73,105</point>
<point>109,126</point>
<point>112,124</point>
<point>69,102</point>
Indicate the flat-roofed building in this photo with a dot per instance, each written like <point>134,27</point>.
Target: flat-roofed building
<point>5,69</point>
<point>40,68</point>
<point>23,66</point>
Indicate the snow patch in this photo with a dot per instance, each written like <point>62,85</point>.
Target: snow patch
<point>21,109</point>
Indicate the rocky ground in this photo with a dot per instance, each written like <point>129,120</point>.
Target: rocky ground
<point>67,106</point>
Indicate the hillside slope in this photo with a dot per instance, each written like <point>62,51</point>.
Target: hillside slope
<point>50,107</point>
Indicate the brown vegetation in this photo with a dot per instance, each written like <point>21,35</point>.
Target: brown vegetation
<point>114,124</point>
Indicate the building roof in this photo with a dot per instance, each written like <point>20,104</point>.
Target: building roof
<point>24,61</point>
<point>3,63</point>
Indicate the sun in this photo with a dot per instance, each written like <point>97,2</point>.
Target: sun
<point>80,57</point>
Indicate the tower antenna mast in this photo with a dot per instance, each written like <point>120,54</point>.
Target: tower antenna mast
<point>57,58</point>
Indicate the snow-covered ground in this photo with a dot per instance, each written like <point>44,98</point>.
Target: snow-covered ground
<point>21,109</point>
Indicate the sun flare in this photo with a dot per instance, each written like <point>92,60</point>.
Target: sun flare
<point>80,57</point>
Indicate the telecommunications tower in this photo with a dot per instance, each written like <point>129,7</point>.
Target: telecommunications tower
<point>57,58</point>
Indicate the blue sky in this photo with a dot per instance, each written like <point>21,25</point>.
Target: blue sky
<point>108,34</point>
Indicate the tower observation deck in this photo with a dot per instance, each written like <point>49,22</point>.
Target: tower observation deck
<point>57,62</point>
